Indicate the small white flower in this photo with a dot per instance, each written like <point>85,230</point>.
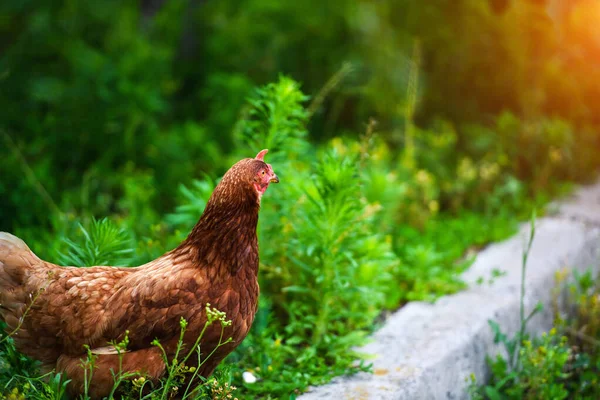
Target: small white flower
<point>249,377</point>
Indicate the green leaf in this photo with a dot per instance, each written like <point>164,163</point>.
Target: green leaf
<point>492,393</point>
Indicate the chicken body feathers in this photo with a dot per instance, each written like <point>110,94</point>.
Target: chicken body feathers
<point>56,310</point>
<point>53,311</point>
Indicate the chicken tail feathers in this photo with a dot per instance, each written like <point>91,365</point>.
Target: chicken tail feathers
<point>15,261</point>
<point>8,241</point>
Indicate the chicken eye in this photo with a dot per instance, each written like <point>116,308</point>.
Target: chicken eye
<point>263,172</point>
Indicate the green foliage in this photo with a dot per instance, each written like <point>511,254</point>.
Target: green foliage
<point>13,363</point>
<point>520,362</point>
<point>276,120</point>
<point>133,109</point>
<point>95,85</point>
<point>104,244</point>
<point>351,230</point>
<point>324,268</point>
<point>46,387</point>
<point>193,201</point>
<point>136,88</point>
<point>583,332</point>
<point>541,375</point>
<point>563,363</point>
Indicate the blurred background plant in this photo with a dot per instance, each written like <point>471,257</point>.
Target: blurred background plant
<point>406,135</point>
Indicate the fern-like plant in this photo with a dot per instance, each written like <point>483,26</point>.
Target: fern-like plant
<point>194,201</point>
<point>103,243</point>
<point>276,120</point>
<point>324,267</point>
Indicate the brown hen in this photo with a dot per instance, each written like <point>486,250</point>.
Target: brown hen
<point>54,311</point>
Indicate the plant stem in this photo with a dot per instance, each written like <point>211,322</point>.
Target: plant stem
<point>523,320</point>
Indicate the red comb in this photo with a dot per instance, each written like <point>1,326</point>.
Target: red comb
<point>261,155</point>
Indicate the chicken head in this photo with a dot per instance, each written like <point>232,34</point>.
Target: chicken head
<point>265,175</point>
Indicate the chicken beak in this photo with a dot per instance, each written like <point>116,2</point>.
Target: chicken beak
<point>274,179</point>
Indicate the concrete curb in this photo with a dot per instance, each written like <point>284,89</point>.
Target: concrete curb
<point>428,351</point>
